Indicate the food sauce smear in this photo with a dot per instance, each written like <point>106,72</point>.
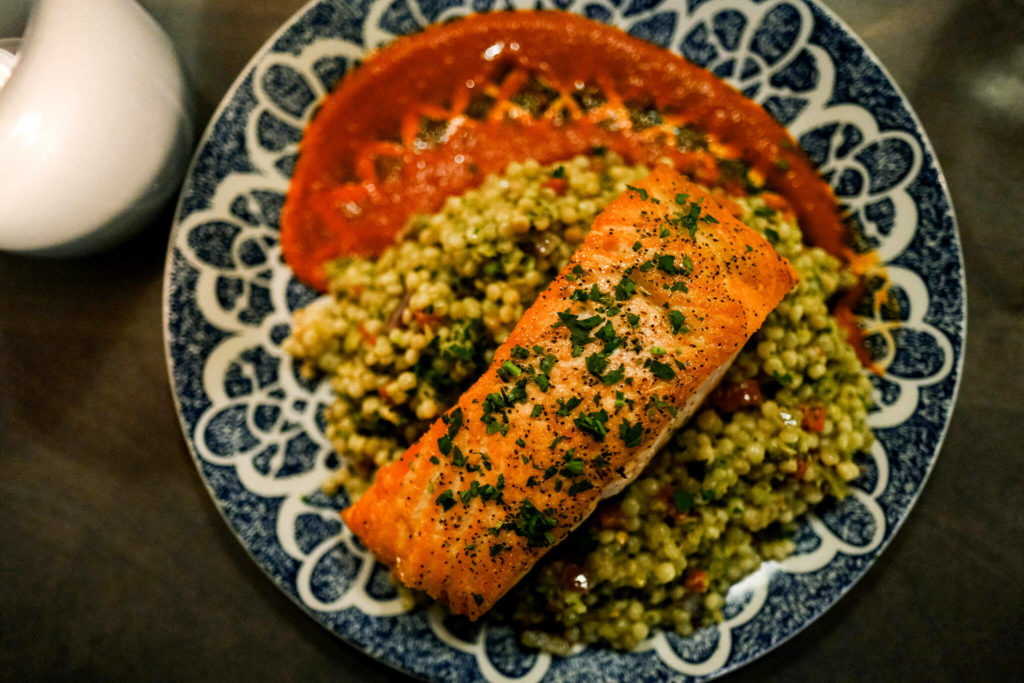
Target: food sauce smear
<point>431,115</point>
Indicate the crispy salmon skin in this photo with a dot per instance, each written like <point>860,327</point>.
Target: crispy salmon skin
<point>612,358</point>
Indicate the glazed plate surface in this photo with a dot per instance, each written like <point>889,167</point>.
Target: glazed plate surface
<point>255,427</point>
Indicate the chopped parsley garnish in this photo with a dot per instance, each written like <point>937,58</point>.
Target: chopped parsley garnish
<point>596,423</point>
<point>595,294</point>
<point>511,368</point>
<point>637,245</point>
<point>659,369</point>
<point>662,404</point>
<point>548,362</point>
<point>687,220</point>
<point>639,190</point>
<point>579,329</point>
<point>494,426</point>
<point>567,406</point>
<point>625,289</point>
<point>614,376</point>
<point>611,340</point>
<point>477,598</point>
<point>446,500</point>
<point>682,499</point>
<point>667,264</point>
<point>575,273</point>
<point>518,393</point>
<point>519,352</point>
<point>537,410</point>
<point>484,492</point>
<point>572,468</point>
<point>494,268</point>
<point>580,486</point>
<point>534,525</point>
<point>558,172</point>
<point>678,322</point>
<point>493,401</point>
<point>460,352</point>
<point>454,421</point>
<point>631,434</point>
<point>543,381</point>
<point>597,363</point>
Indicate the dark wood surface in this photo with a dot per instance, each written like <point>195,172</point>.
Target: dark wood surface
<point>115,564</point>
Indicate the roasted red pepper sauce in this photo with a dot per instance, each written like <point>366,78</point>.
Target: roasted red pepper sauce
<point>365,168</point>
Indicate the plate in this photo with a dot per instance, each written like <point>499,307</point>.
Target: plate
<point>254,426</point>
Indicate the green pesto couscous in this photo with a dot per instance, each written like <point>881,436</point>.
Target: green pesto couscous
<point>400,338</point>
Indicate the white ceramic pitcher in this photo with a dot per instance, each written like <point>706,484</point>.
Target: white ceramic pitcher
<point>95,126</point>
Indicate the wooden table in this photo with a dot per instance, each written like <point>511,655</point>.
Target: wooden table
<point>115,564</point>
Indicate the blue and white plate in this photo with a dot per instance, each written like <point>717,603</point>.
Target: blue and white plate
<point>255,427</point>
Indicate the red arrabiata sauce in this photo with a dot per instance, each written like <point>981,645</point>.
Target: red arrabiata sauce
<point>365,166</point>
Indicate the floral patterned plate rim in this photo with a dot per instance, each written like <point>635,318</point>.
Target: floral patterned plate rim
<point>254,426</point>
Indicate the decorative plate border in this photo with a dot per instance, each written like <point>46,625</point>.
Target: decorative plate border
<point>254,426</point>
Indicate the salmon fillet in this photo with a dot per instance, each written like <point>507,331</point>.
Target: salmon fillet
<point>608,362</point>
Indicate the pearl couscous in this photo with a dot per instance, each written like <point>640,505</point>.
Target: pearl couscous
<point>401,337</point>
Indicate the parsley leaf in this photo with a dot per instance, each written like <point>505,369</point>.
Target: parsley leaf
<point>639,190</point>
<point>446,500</point>
<point>567,406</point>
<point>682,499</point>
<point>614,376</point>
<point>631,434</point>
<point>595,423</point>
<point>625,289</point>
<point>534,525</point>
<point>597,363</point>
<point>667,264</point>
<point>611,340</point>
<point>580,486</point>
<point>579,328</point>
<point>659,369</point>
<point>678,322</point>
